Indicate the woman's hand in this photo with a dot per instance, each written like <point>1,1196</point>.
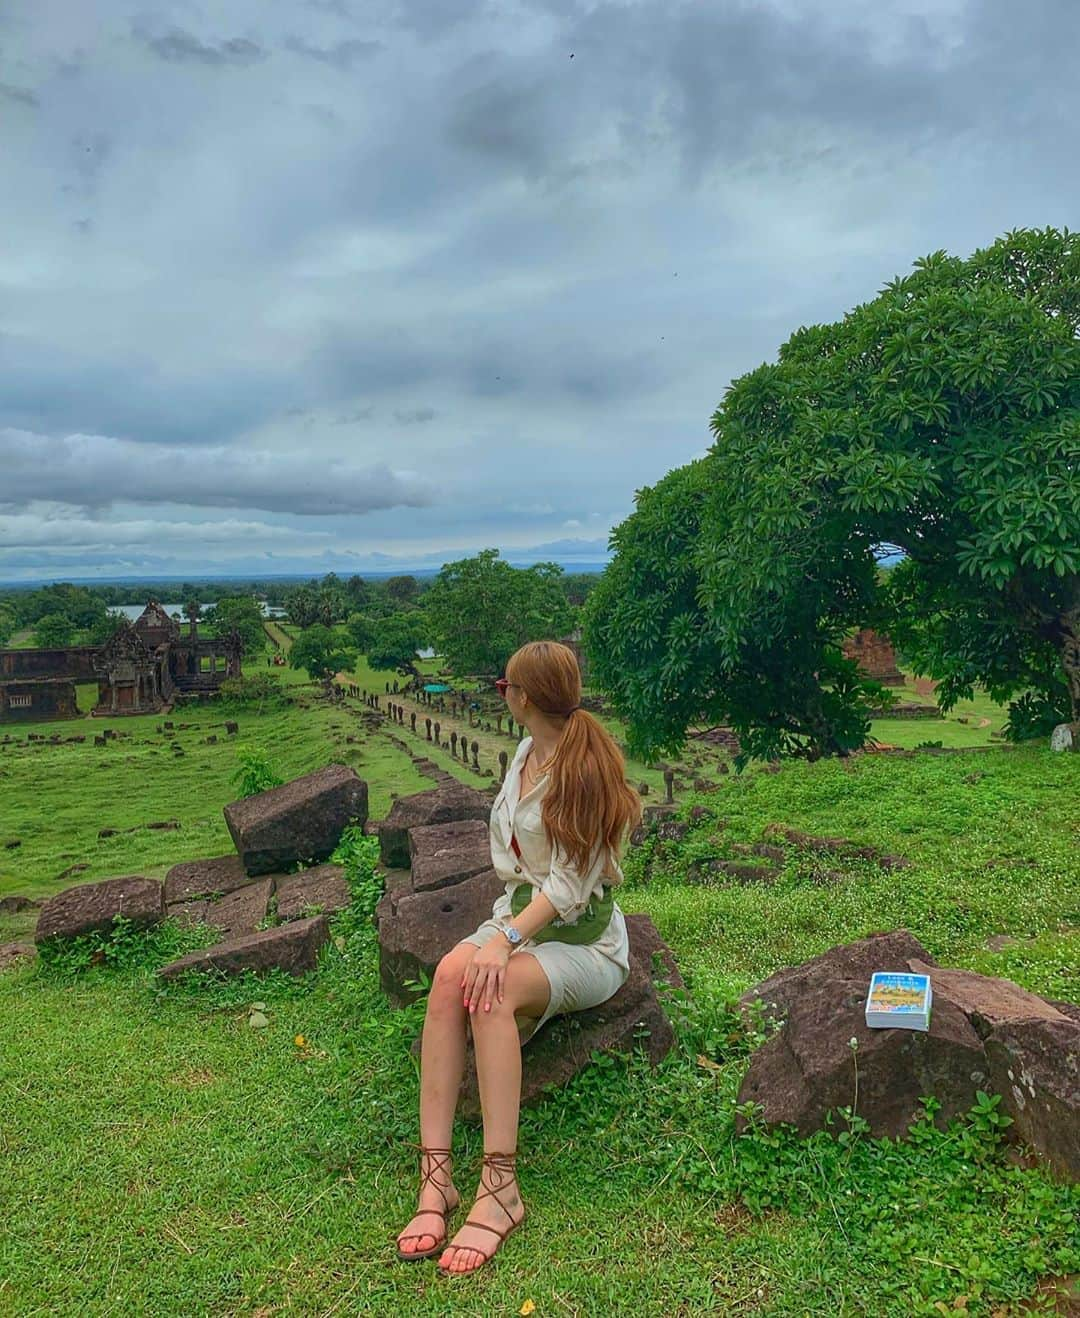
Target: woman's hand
<point>485,975</point>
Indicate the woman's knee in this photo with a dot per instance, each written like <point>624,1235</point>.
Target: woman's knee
<point>446,982</point>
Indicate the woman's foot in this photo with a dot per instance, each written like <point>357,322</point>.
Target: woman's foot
<point>472,1246</point>
<point>437,1193</point>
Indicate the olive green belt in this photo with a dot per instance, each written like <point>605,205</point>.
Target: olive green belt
<point>587,928</point>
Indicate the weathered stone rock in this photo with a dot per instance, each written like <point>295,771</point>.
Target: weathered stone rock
<point>672,830</point>
<point>444,854</point>
<point>12,905</point>
<point>633,1016</point>
<point>837,846</point>
<point>416,929</point>
<point>999,942</point>
<point>188,913</point>
<point>985,1033</point>
<point>323,886</point>
<point>1070,1009</point>
<point>215,876</point>
<point>13,953</point>
<point>440,805</point>
<point>301,821</point>
<point>808,1068</point>
<point>986,1001</point>
<point>292,947</point>
<point>853,961</point>
<point>93,907</point>
<point>716,871</point>
<point>242,910</point>
<point>1065,737</point>
<point>1035,1066</point>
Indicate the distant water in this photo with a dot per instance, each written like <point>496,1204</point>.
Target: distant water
<point>132,611</point>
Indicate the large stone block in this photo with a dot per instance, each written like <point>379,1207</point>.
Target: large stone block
<point>323,886</point>
<point>633,1017</point>
<point>444,854</point>
<point>985,1033</point>
<point>986,1001</point>
<point>242,910</point>
<point>441,805</point>
<point>417,929</point>
<point>192,879</point>
<point>1035,1066</point>
<point>809,1067</point>
<point>301,821</point>
<point>92,907</point>
<point>850,961</point>
<point>292,947</point>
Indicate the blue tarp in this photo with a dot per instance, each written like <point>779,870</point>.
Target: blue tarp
<point>436,686</point>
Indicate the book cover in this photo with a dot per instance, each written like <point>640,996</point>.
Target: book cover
<point>897,1001</point>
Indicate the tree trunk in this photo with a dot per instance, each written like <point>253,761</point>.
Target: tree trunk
<point>1070,658</point>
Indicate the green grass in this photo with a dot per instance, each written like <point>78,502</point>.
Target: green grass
<point>162,1157</point>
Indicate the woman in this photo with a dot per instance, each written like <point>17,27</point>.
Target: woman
<point>556,942</point>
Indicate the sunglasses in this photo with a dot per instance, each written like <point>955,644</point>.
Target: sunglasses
<point>501,684</point>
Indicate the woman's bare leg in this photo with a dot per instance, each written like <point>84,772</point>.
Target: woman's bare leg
<point>442,1064</point>
<point>498,1071</point>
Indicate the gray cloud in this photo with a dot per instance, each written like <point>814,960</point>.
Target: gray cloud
<point>96,471</point>
<point>20,95</point>
<point>343,55</point>
<point>178,46</point>
<point>414,416</point>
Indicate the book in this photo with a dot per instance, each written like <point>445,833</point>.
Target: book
<point>898,1001</point>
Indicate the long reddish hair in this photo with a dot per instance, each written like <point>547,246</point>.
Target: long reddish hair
<point>587,797</point>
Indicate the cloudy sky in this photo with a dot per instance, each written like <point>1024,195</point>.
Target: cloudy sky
<point>313,285</point>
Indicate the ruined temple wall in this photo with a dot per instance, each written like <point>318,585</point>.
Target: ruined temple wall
<point>47,700</point>
<point>75,662</point>
<point>875,655</point>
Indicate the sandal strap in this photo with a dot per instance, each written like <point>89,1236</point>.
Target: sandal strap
<point>504,1167</point>
<point>439,1160</point>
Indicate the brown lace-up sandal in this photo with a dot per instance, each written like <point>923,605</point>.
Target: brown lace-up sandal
<point>501,1165</point>
<point>439,1160</point>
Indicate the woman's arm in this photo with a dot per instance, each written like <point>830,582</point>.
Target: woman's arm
<point>485,975</point>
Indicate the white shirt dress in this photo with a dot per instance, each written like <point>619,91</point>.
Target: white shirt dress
<point>580,976</point>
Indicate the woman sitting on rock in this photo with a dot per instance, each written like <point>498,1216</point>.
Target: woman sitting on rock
<point>556,942</point>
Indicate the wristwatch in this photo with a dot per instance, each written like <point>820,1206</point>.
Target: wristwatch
<point>513,935</point>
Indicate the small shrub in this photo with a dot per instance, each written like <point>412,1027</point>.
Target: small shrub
<point>255,774</point>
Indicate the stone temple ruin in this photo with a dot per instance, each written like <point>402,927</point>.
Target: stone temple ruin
<point>141,670</point>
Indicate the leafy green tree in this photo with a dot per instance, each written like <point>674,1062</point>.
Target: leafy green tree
<point>402,590</point>
<point>361,630</point>
<point>940,420</point>
<point>394,642</point>
<point>481,609</point>
<point>243,613</point>
<point>102,631</point>
<point>357,592</point>
<point>320,653</point>
<point>302,606</point>
<point>8,625</point>
<point>76,603</point>
<point>53,631</point>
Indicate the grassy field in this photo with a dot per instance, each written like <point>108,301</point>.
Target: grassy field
<point>162,1157</point>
